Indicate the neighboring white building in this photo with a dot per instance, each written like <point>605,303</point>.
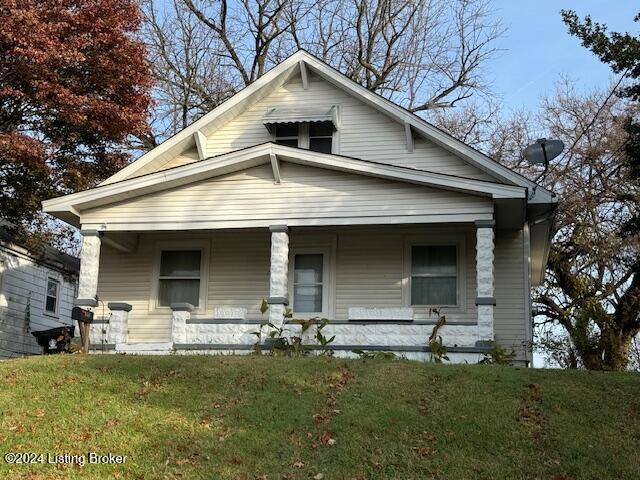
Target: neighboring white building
<point>309,190</point>
<point>36,293</point>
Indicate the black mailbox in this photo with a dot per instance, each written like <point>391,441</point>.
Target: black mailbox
<point>82,315</point>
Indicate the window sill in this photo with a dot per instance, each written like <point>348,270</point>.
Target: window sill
<point>308,316</point>
<point>163,310</point>
<point>444,309</point>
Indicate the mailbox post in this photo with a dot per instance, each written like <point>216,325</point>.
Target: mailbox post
<point>84,318</point>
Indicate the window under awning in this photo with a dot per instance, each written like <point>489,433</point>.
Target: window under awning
<point>277,116</point>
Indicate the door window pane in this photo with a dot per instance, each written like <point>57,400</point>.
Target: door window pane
<point>307,299</point>
<point>308,283</point>
<point>308,269</point>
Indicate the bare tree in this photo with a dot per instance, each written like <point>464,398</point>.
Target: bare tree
<point>592,287</point>
<point>422,54</point>
<point>187,63</point>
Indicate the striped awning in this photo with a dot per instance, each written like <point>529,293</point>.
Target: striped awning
<point>277,116</point>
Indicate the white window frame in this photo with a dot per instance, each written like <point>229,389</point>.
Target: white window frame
<point>58,281</point>
<point>204,247</point>
<point>457,241</point>
<point>328,269</point>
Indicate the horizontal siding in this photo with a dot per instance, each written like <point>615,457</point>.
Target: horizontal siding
<point>305,192</point>
<point>239,273</point>
<point>125,277</point>
<point>364,132</point>
<point>23,283</point>
<point>368,273</point>
<point>511,318</point>
<point>184,158</point>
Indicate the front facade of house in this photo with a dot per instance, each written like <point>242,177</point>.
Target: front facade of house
<point>310,191</point>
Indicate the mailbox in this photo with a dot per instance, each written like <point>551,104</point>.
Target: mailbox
<point>82,315</point>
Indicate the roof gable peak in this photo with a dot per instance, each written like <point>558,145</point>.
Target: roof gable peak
<point>304,62</point>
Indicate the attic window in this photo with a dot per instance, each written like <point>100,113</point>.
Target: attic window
<point>287,134</point>
<point>313,130</point>
<point>321,137</point>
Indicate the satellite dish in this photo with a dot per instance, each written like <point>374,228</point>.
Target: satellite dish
<point>543,151</point>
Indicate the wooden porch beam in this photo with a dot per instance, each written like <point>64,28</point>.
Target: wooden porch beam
<point>409,135</point>
<point>305,75</point>
<point>201,144</point>
<point>275,165</point>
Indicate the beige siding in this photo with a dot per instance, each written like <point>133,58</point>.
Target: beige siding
<point>364,132</point>
<point>511,318</point>
<point>371,276</point>
<point>239,274</point>
<point>368,271</point>
<point>305,193</point>
<point>185,158</point>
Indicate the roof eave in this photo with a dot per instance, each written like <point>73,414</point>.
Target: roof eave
<point>68,207</point>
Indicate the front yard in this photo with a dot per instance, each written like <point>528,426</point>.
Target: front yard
<point>303,418</point>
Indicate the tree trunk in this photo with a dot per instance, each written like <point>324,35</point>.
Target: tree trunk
<point>617,347</point>
<point>611,353</point>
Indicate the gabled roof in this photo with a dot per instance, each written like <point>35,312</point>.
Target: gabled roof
<point>45,254</point>
<point>68,207</point>
<point>303,61</point>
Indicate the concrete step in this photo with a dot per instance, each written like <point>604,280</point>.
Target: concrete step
<point>160,348</point>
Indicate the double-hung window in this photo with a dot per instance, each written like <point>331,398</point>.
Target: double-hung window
<point>287,134</point>
<point>314,136</point>
<point>179,279</point>
<point>434,275</point>
<point>321,137</point>
<point>51,298</point>
<point>309,283</point>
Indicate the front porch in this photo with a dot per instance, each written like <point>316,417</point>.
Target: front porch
<point>363,280</point>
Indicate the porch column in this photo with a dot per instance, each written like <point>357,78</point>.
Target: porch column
<point>278,281</point>
<point>485,301</point>
<point>119,322</point>
<point>89,266</point>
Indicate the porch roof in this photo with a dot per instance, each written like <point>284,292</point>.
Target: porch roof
<point>68,207</point>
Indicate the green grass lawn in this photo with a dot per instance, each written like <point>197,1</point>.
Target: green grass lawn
<point>298,418</point>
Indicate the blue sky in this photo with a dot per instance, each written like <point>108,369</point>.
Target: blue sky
<point>538,49</point>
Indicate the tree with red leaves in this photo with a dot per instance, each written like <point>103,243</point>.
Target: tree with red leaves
<point>74,85</point>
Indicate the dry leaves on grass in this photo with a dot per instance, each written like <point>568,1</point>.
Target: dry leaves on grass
<point>11,378</point>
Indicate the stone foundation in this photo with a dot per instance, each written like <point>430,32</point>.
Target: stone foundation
<point>406,339</point>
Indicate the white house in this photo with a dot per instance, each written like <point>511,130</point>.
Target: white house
<point>37,292</point>
<point>313,192</point>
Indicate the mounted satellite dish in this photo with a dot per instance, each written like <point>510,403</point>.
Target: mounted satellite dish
<point>543,151</point>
